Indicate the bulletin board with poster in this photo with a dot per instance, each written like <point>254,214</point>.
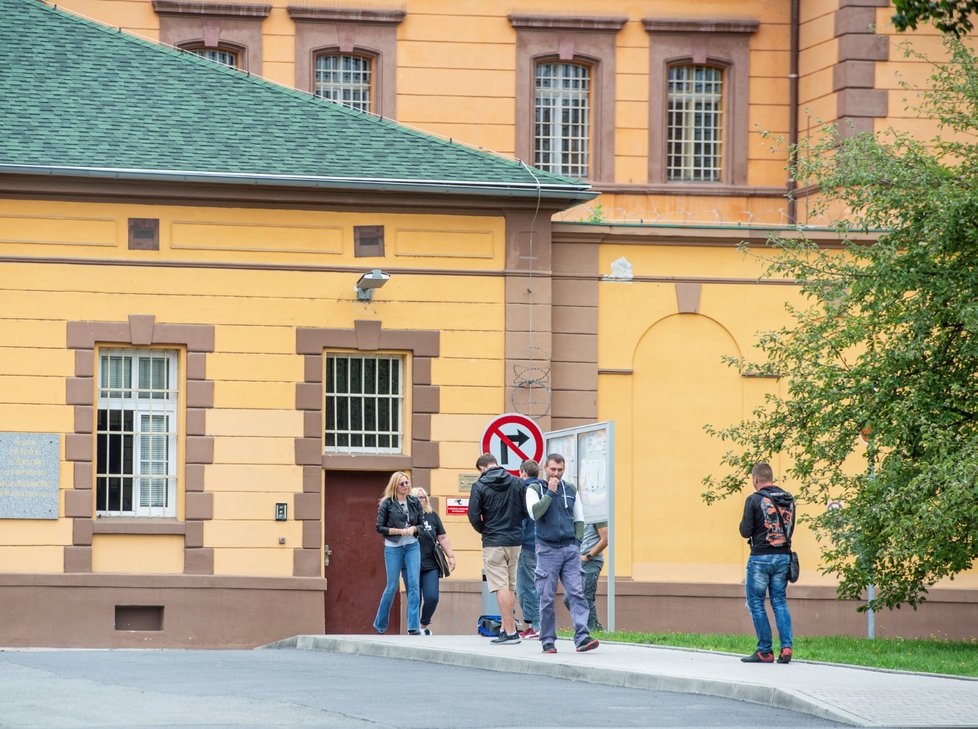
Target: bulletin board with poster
<point>589,459</point>
<point>589,464</point>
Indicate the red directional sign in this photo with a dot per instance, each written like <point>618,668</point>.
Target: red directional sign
<point>513,438</point>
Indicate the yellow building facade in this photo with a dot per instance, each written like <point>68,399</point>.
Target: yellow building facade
<point>621,306</point>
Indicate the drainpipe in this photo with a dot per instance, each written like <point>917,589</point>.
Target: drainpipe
<point>793,111</point>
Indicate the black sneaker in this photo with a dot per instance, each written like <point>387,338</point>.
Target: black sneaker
<point>506,639</point>
<point>758,657</point>
<point>549,648</point>
<point>414,632</point>
<point>784,656</point>
<point>588,644</point>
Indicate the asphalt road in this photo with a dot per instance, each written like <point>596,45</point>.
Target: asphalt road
<point>282,689</point>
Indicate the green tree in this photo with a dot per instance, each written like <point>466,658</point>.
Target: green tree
<point>885,343</point>
<point>949,16</point>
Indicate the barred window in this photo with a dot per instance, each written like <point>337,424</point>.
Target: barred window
<point>218,55</point>
<point>344,79</point>
<point>695,127</point>
<point>136,438</point>
<point>364,403</point>
<point>562,132</point>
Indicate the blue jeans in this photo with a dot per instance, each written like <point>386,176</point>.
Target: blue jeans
<point>563,563</point>
<point>395,558</point>
<point>769,573</point>
<point>526,591</point>
<point>429,595</point>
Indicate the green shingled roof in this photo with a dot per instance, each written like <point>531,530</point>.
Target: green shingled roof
<point>77,97</point>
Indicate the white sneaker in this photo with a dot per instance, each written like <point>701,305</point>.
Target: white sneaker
<point>426,631</point>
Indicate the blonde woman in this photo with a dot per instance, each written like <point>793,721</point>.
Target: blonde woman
<point>398,516</point>
<point>430,529</point>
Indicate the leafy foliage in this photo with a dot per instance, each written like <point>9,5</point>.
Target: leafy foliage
<point>886,343</point>
<point>949,16</point>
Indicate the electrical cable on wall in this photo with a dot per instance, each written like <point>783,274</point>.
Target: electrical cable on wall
<point>531,379</point>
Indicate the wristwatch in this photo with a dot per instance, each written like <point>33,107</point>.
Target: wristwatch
<point>587,556</point>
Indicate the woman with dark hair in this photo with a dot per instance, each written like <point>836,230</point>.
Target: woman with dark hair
<point>430,530</point>
<point>398,517</point>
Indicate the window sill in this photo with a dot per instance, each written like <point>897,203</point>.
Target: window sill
<point>690,188</point>
<point>137,525</point>
<point>366,461</point>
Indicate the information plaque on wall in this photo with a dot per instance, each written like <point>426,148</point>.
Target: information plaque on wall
<point>30,466</point>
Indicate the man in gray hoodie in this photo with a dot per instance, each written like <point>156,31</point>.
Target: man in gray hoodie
<point>497,506</point>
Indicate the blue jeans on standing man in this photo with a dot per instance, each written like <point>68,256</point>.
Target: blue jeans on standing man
<point>768,573</point>
<point>526,591</point>
<point>407,556</point>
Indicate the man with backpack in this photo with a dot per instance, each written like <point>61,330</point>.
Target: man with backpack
<point>559,519</point>
<point>497,506</point>
<point>768,524</point>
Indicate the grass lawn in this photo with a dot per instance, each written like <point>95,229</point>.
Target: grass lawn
<point>957,658</point>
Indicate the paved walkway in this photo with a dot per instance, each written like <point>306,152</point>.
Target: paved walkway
<point>854,696</point>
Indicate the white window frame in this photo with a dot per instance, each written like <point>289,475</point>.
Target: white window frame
<point>354,89</point>
<point>347,432</point>
<point>695,135</point>
<point>224,56</point>
<point>140,399</point>
<point>562,144</point>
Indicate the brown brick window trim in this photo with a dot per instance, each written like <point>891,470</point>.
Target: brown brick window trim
<point>346,15</point>
<point>659,25</point>
<point>234,10</point>
<point>586,41</point>
<point>371,33</point>
<point>365,336</point>
<point>722,43</point>
<point>141,330</point>
<point>564,22</point>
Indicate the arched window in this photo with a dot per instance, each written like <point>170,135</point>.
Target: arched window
<point>345,79</point>
<point>225,56</point>
<point>562,126</point>
<point>695,124</point>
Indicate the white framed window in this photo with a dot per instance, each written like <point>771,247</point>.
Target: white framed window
<point>218,55</point>
<point>562,126</point>
<point>136,432</point>
<point>364,403</point>
<point>695,124</point>
<point>344,79</point>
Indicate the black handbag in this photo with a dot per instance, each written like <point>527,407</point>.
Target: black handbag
<point>794,567</point>
<point>444,570</point>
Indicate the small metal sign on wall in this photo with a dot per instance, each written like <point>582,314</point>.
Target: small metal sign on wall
<point>30,468</point>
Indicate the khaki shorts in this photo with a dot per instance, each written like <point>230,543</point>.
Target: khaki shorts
<point>500,564</point>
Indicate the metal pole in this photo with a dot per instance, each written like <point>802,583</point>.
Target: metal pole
<point>611,526</point>
<point>870,616</point>
<point>870,588</point>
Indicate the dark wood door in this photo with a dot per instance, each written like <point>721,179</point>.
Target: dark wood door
<point>355,575</point>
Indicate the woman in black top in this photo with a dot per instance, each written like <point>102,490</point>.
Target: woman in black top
<point>430,529</point>
<point>398,516</point>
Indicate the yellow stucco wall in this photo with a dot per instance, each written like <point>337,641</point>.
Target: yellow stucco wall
<point>255,313</point>
<point>456,77</point>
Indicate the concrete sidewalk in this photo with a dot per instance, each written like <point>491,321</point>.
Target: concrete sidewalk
<point>854,696</point>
